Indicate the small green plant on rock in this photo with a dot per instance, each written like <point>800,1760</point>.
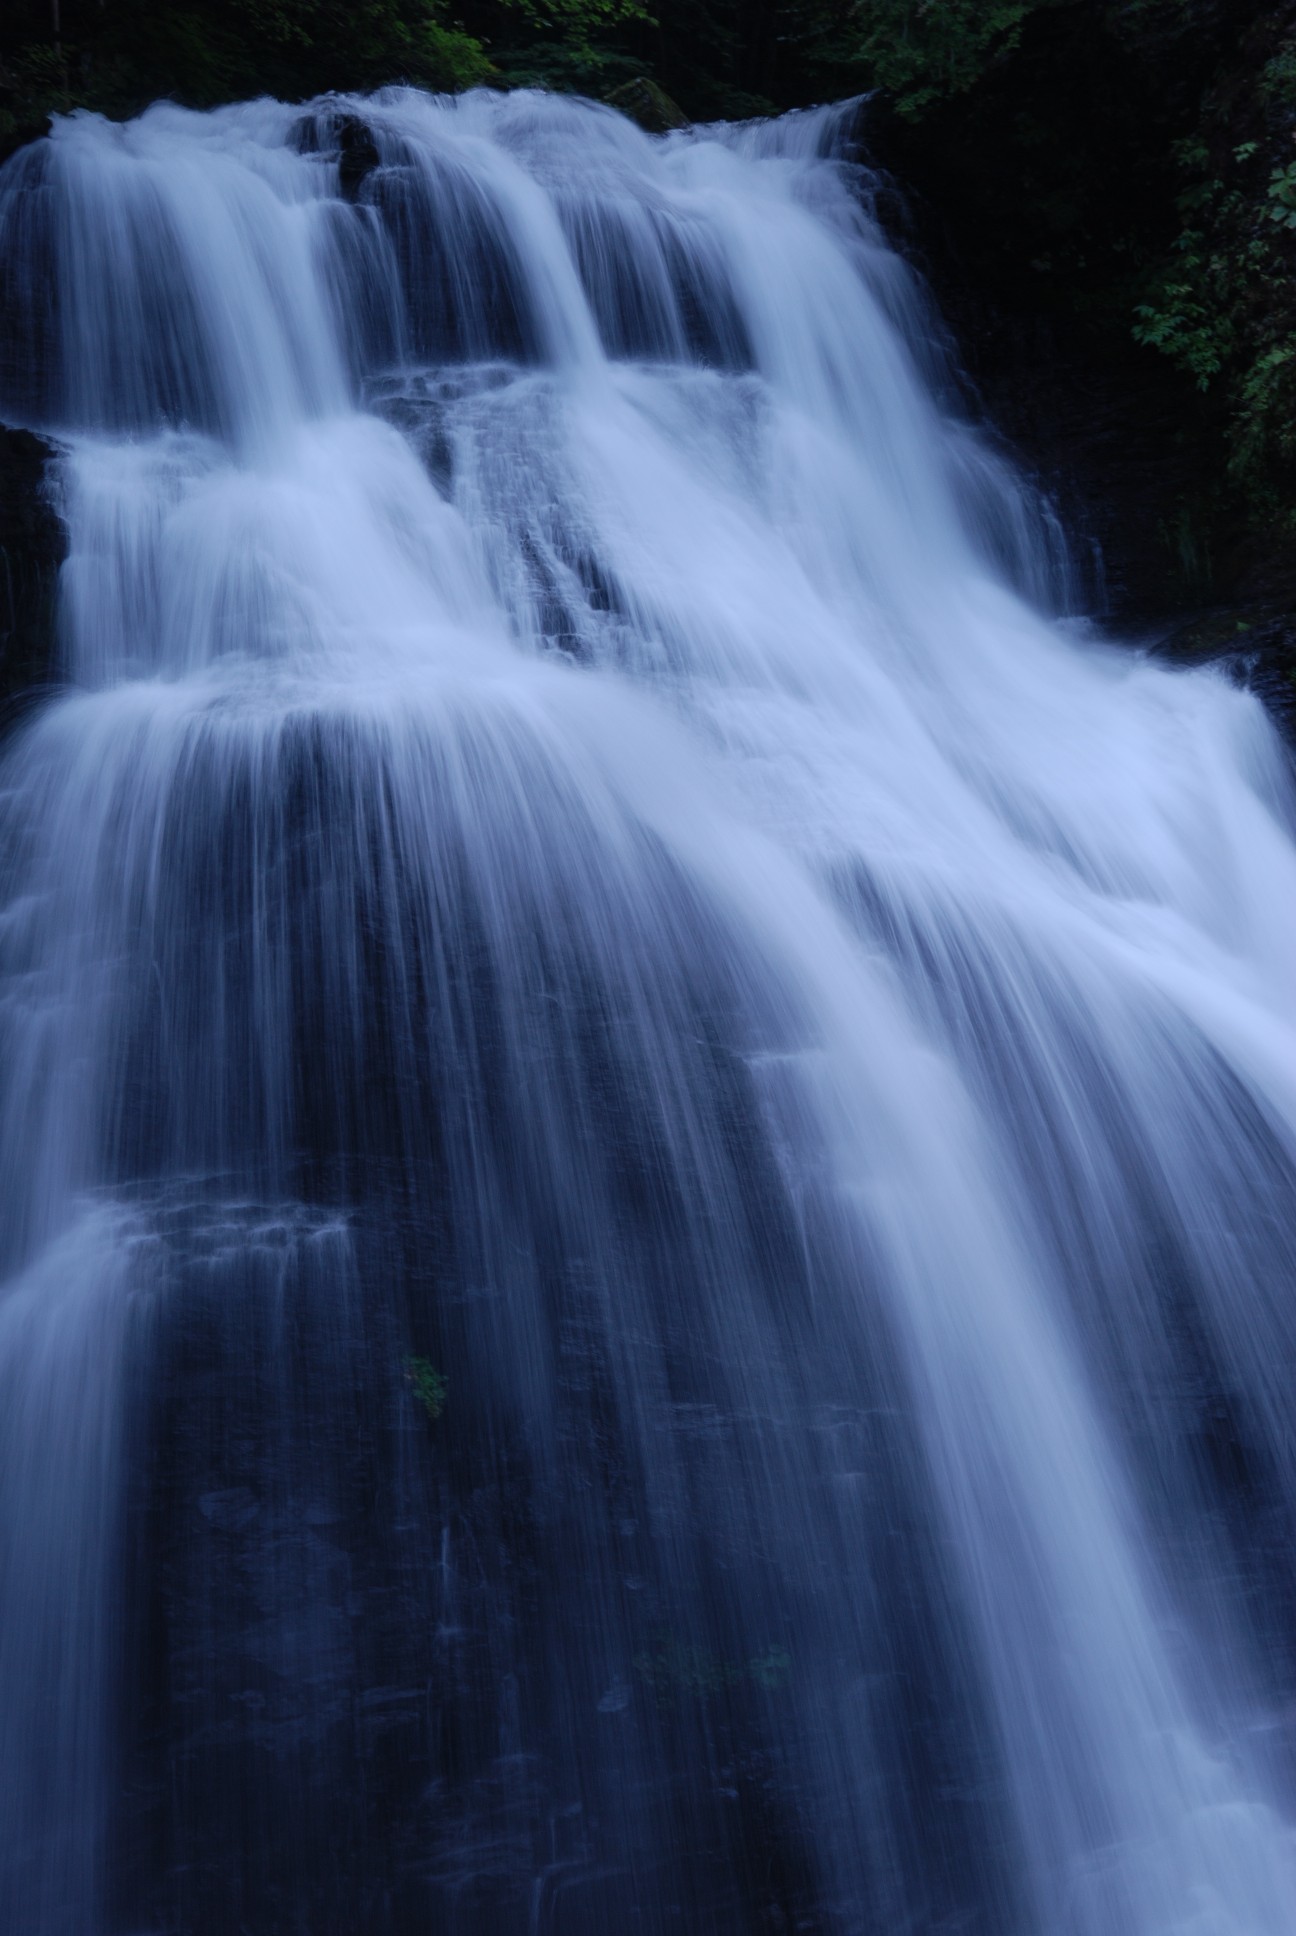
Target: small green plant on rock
<point>430,1385</point>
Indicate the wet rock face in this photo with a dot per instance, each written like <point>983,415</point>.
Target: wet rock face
<point>33,544</point>
<point>1255,639</point>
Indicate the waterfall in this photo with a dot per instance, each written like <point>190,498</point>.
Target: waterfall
<point>647,1108</point>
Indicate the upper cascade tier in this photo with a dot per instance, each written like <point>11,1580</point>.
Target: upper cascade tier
<point>238,273</point>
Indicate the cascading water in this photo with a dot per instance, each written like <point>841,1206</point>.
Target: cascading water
<point>648,1129</point>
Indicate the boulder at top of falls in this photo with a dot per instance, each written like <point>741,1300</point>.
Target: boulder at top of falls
<point>643,101</point>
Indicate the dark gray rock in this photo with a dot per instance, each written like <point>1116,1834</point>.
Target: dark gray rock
<point>33,544</point>
<point>357,155</point>
<point>330,131</point>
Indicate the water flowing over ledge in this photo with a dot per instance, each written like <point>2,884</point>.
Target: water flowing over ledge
<point>648,1114</point>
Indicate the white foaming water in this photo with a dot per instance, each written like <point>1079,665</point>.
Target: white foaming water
<point>568,778</point>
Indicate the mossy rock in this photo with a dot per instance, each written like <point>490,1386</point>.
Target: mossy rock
<point>643,101</point>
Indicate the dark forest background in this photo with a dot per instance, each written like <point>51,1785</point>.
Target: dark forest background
<point>1103,191</point>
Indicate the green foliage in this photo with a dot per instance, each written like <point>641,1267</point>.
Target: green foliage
<point>922,52</point>
<point>1183,317</point>
<point>577,18</point>
<point>1221,300</point>
<point>576,45</point>
<point>1282,193</point>
<point>1277,81</point>
<point>431,1388</point>
<point>741,57</point>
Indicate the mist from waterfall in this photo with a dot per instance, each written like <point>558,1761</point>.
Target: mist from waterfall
<point>647,1105</point>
